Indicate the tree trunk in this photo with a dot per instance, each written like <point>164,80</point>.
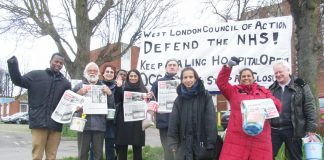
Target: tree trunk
<point>306,17</point>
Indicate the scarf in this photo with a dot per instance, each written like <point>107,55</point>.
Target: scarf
<point>189,93</point>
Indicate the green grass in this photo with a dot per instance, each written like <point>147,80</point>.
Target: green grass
<point>149,153</point>
<point>66,132</point>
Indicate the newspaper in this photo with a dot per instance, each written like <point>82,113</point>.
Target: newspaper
<point>266,105</point>
<point>67,106</point>
<point>96,100</point>
<point>134,106</point>
<point>167,93</point>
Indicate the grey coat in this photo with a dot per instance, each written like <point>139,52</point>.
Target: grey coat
<point>95,122</point>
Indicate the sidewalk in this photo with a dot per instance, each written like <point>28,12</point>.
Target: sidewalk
<point>21,142</point>
<point>68,146</point>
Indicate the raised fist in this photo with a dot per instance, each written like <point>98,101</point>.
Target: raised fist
<point>12,59</point>
<point>233,61</point>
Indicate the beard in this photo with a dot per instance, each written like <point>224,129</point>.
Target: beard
<point>91,78</point>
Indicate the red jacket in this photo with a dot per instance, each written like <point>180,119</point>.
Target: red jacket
<point>237,144</point>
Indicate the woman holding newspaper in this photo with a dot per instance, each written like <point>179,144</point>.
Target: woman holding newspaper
<point>129,132</point>
<point>192,132</point>
<point>240,141</point>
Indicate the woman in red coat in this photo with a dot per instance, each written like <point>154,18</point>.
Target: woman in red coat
<point>237,144</point>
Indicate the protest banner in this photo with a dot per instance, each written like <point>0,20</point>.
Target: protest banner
<point>257,43</point>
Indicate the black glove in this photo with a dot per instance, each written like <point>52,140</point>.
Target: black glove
<point>233,61</point>
<point>13,59</point>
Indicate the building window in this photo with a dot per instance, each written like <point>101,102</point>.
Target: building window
<point>23,107</point>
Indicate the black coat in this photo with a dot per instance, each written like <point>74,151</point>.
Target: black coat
<point>45,89</point>
<point>127,133</point>
<point>192,122</point>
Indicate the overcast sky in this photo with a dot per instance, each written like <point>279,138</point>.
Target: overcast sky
<point>35,54</point>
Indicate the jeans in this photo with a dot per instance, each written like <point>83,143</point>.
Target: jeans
<point>110,148</point>
<point>292,145</point>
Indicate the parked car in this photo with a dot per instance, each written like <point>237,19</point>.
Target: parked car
<point>23,119</point>
<point>4,119</point>
<point>16,117</point>
<point>225,118</point>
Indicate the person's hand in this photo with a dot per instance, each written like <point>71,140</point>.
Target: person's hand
<point>150,95</point>
<point>79,109</point>
<point>82,91</point>
<point>12,59</point>
<point>233,61</point>
<point>106,90</point>
<point>119,81</point>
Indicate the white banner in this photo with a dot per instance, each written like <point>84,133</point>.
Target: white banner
<point>258,43</point>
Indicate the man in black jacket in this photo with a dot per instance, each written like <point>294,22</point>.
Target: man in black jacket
<point>45,89</point>
<point>298,115</point>
<point>162,120</point>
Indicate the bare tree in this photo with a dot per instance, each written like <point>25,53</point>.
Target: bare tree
<point>306,15</point>
<point>83,20</point>
<point>238,9</point>
<point>6,86</point>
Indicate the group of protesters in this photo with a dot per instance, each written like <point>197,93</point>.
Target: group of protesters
<point>189,132</point>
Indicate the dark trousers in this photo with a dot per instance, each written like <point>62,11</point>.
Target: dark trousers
<point>87,138</point>
<point>122,152</point>
<point>168,155</point>
<point>293,145</point>
<point>110,148</point>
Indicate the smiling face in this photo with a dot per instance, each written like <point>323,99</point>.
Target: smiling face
<point>281,73</point>
<point>172,67</point>
<point>56,63</point>
<point>188,79</point>
<point>109,74</point>
<point>246,77</point>
<point>133,77</point>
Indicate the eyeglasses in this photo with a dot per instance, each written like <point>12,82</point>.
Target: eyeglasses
<point>111,72</point>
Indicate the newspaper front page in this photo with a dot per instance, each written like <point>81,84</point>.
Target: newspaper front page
<point>96,100</point>
<point>67,106</point>
<point>167,93</point>
<point>266,105</point>
<point>134,106</point>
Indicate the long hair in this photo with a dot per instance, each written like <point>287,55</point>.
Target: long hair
<point>139,85</point>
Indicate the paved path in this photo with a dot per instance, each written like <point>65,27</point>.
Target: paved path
<point>15,142</point>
